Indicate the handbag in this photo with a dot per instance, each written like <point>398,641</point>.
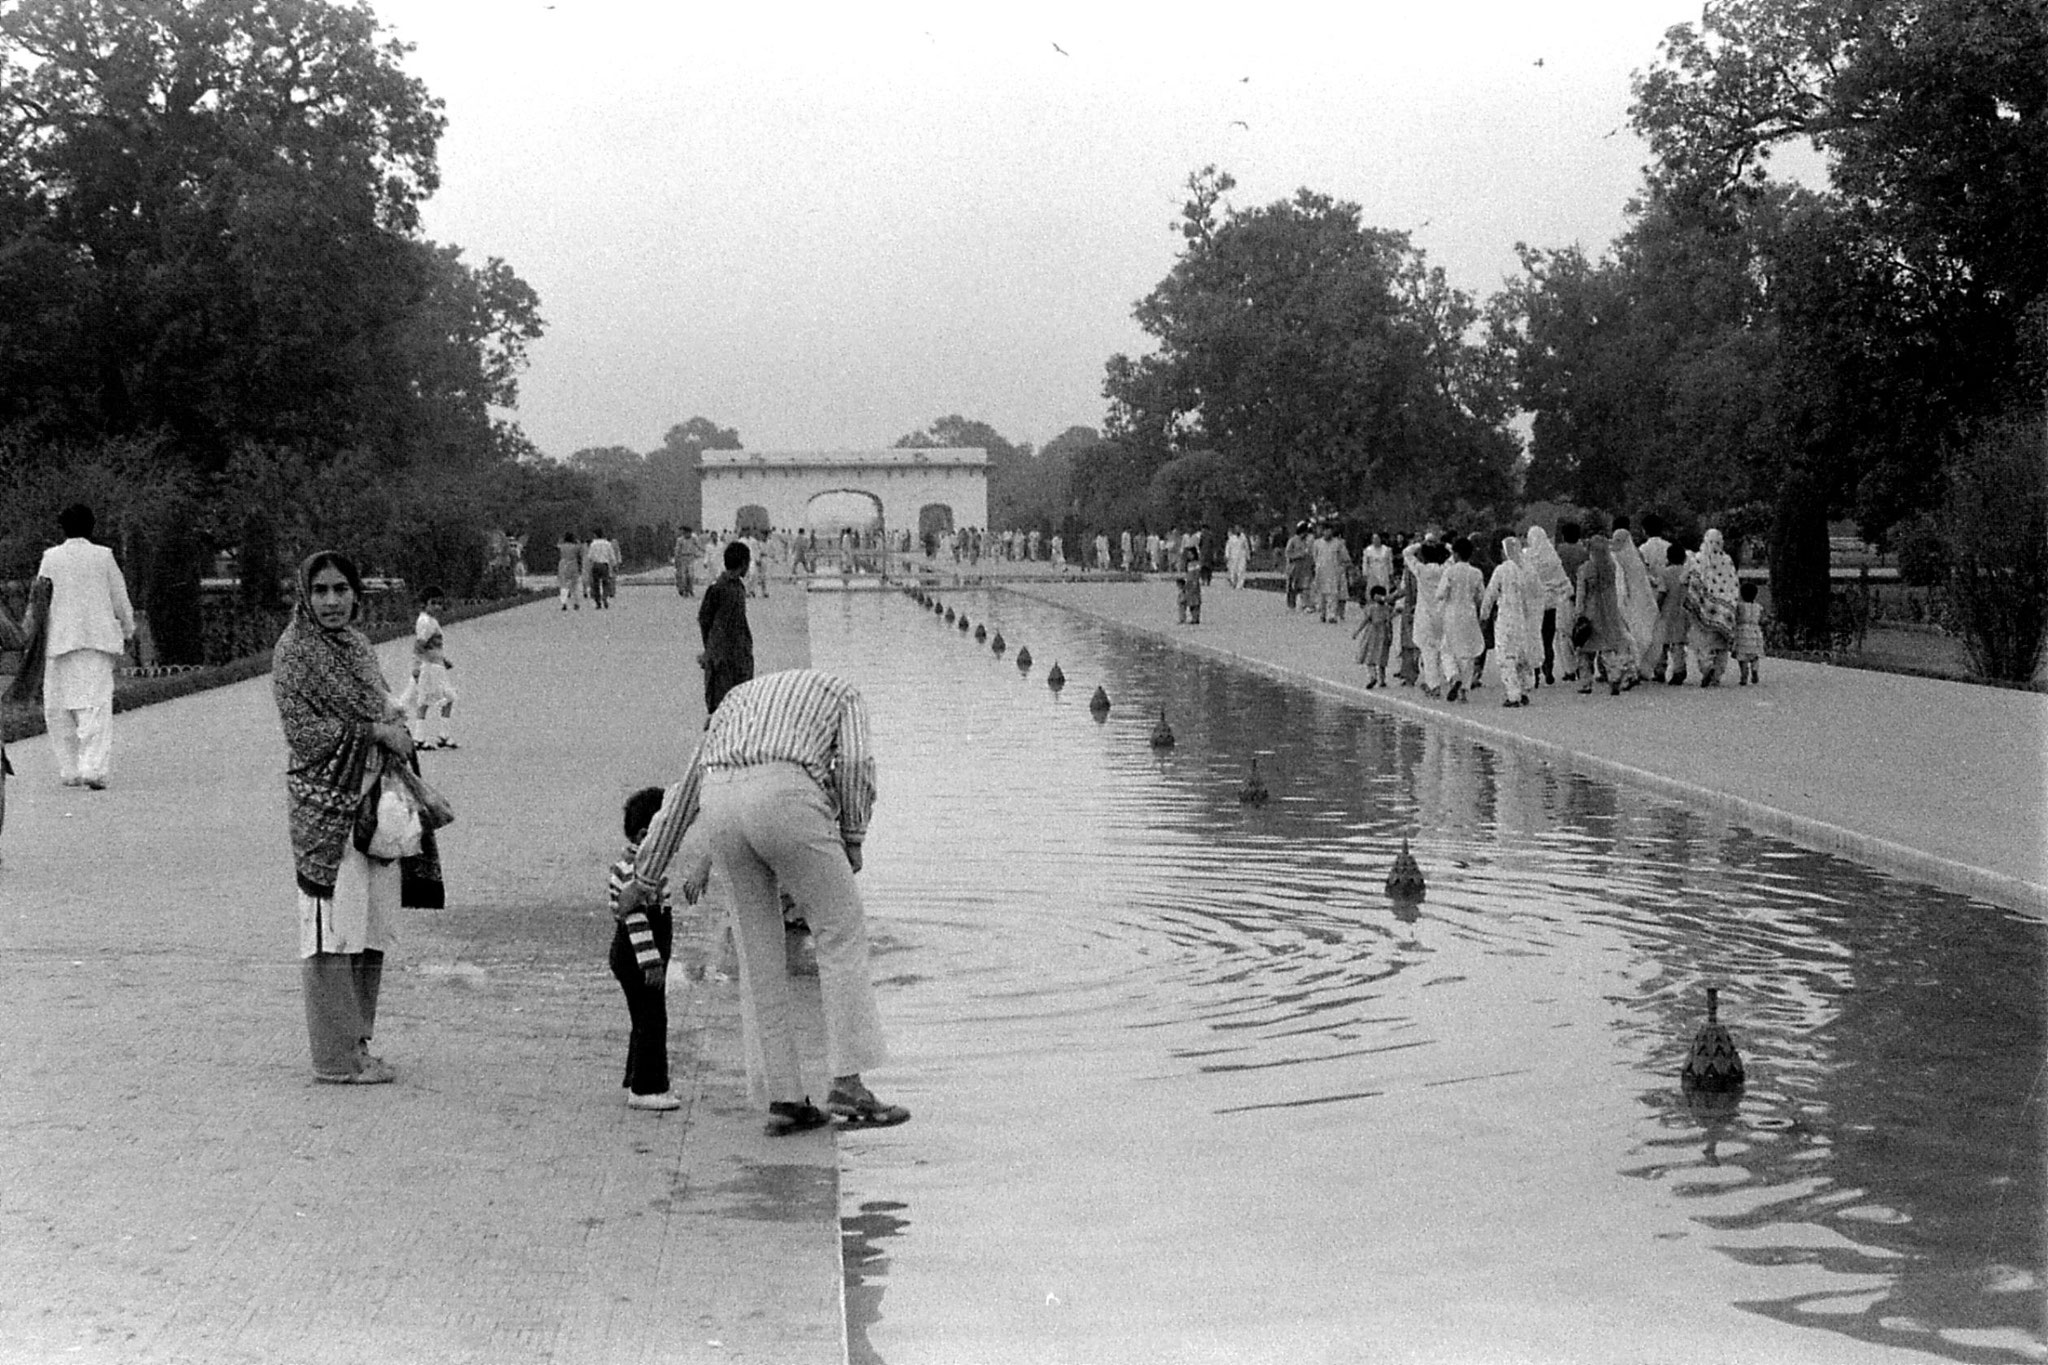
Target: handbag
<point>1582,631</point>
<point>433,809</point>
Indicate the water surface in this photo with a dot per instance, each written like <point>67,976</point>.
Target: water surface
<point>1189,1087</point>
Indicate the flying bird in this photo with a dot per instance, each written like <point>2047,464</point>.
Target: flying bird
<point>1062,51</point>
<point>1539,61</point>
<point>1610,132</point>
<point>1240,123</point>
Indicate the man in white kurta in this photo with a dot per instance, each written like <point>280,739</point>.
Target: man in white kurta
<point>90,625</point>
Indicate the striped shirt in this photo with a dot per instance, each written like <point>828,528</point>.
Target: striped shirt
<point>639,933</point>
<point>800,716</point>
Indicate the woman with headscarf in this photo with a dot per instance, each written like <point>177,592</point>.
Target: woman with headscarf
<point>1541,557</point>
<point>341,726</point>
<point>1458,592</point>
<point>1508,595</point>
<point>1425,560</point>
<point>1668,657</point>
<point>1605,642</point>
<point>1638,604</point>
<point>1711,587</point>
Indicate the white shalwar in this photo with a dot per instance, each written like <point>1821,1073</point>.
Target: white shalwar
<point>78,710</point>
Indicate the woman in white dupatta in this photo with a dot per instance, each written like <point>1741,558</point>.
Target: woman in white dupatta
<point>1638,605</point>
<point>1508,596</point>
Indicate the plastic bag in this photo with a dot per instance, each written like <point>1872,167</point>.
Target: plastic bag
<point>398,828</point>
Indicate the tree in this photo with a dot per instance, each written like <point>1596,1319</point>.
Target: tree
<point>1903,308</point>
<point>208,216</point>
<point>1323,356</point>
<point>1011,469</point>
<point>673,486</point>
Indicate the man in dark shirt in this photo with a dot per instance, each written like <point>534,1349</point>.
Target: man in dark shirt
<point>728,656</point>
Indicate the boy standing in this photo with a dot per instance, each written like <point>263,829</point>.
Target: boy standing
<point>639,959</point>
<point>430,701</point>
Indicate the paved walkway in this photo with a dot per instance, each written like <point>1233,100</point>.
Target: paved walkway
<point>174,1188</point>
<point>1939,781</point>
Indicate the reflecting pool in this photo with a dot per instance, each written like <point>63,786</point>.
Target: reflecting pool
<point>1190,1088</point>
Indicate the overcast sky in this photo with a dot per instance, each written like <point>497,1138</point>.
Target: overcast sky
<point>827,229</point>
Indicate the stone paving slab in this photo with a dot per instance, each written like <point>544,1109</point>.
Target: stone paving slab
<point>1938,781</point>
<point>173,1186</point>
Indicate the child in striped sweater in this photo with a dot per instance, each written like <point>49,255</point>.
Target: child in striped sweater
<point>639,959</point>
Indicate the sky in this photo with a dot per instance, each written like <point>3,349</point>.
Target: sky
<point>828,227</point>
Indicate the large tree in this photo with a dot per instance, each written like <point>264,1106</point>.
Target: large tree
<point>1907,309</point>
<point>1324,356</point>
<point>673,485</point>
<point>209,215</point>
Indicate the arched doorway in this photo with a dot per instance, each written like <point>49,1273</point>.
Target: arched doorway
<point>849,530</point>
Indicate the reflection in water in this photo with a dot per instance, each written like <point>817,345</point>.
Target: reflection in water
<point>1107,969</point>
<point>866,1267</point>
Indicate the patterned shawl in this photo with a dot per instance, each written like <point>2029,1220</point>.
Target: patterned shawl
<point>330,692</point>
<point>1711,587</point>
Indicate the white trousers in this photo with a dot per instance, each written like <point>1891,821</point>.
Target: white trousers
<point>771,830</point>
<point>78,711</point>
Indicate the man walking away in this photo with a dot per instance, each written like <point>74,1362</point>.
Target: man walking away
<point>728,657</point>
<point>87,632</point>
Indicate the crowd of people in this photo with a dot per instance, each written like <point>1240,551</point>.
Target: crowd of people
<point>1595,608</point>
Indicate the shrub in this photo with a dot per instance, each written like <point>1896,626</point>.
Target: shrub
<point>1995,520</point>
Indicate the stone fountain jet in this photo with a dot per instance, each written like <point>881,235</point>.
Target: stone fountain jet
<point>1253,792</point>
<point>1713,1065</point>
<point>1405,882</point>
<point>1055,679</point>
<point>1162,733</point>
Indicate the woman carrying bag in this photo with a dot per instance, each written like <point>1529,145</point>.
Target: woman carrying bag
<point>344,730</point>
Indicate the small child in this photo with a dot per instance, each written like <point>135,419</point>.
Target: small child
<point>1374,634</point>
<point>431,697</point>
<point>1749,636</point>
<point>639,959</point>
<point>1190,582</point>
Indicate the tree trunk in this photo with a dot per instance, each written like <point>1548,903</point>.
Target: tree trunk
<point>1799,562</point>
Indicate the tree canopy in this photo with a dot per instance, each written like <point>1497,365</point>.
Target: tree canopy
<point>1325,358</point>
<point>1819,352</point>
<point>209,216</point>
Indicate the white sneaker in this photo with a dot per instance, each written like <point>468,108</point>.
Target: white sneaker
<point>664,1101</point>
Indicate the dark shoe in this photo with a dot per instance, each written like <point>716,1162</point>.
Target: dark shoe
<point>1614,689</point>
<point>858,1108</point>
<point>794,1116</point>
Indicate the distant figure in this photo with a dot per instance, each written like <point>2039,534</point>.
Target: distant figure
<point>686,564</point>
<point>602,558</point>
<point>728,657</point>
<point>1298,559</point>
<point>1458,593</point>
<point>1237,556</point>
<point>84,634</point>
<point>1749,640</point>
<point>429,701</point>
<point>1376,563</point>
<point>1374,635</point>
<point>569,570</point>
<point>1190,585</point>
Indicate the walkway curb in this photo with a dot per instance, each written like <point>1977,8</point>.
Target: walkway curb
<point>1822,836</point>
